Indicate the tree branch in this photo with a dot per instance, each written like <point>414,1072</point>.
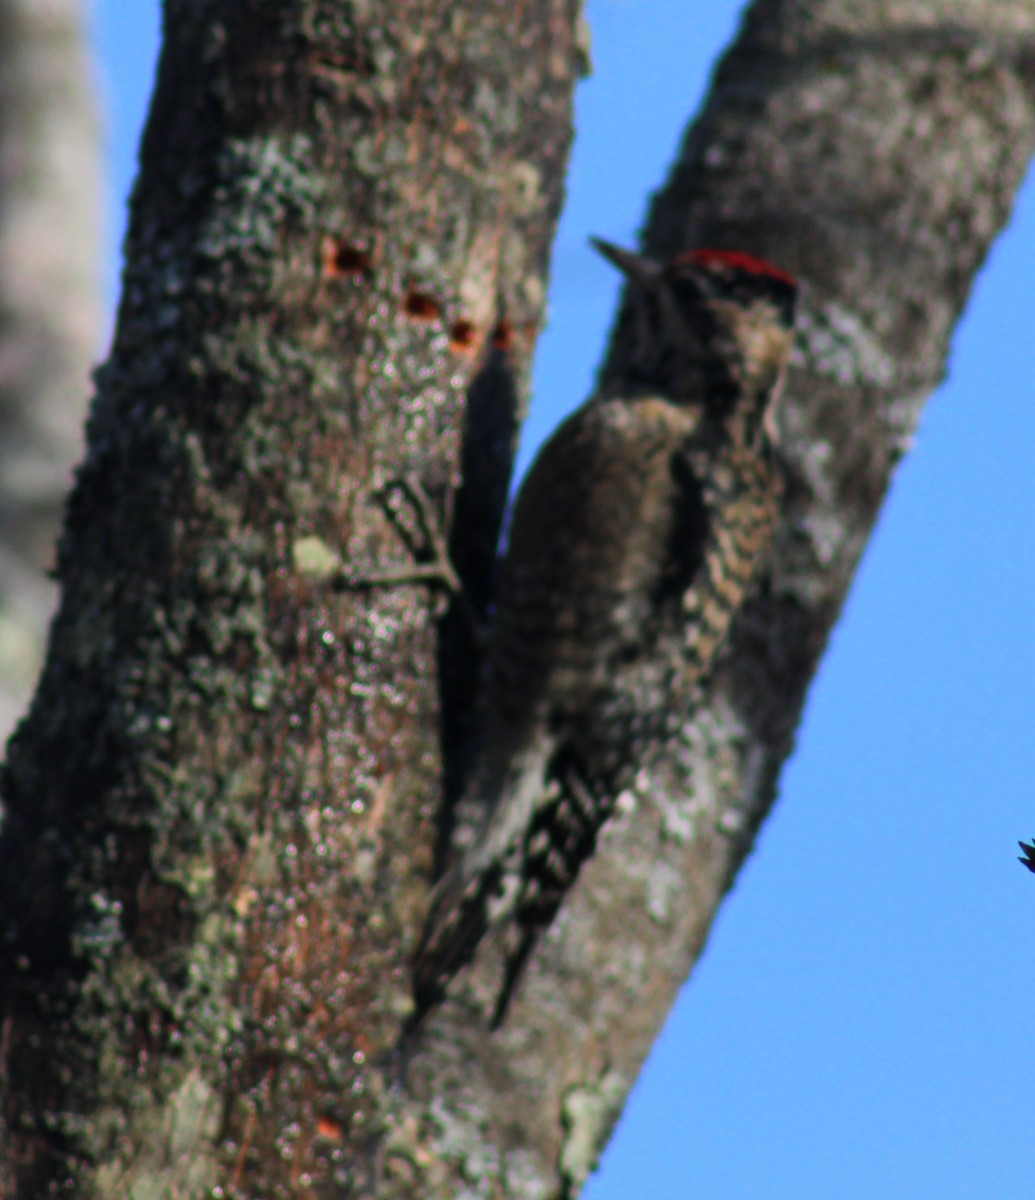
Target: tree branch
<point>874,153</point>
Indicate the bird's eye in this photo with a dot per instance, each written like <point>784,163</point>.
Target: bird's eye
<point>688,287</point>
<point>783,297</point>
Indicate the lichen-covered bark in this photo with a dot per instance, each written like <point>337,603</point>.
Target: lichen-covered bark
<point>223,803</point>
<point>872,149</point>
<point>222,806</point>
<point>50,311</point>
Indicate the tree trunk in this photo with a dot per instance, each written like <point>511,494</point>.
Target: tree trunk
<point>222,804</point>
<point>226,801</point>
<point>50,311</point>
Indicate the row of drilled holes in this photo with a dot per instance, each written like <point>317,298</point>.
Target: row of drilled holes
<point>342,259</point>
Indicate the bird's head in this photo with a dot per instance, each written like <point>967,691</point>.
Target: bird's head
<point>717,320</point>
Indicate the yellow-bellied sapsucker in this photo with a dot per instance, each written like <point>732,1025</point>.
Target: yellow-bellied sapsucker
<point>646,514</point>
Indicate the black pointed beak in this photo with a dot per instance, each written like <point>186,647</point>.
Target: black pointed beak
<point>643,272</point>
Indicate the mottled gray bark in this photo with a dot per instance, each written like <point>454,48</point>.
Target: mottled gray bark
<point>50,311</point>
<point>874,151</point>
<point>223,805</point>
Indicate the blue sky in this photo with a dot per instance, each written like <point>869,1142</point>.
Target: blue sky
<point>860,1025</point>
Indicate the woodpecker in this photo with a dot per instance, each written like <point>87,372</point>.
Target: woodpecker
<point>644,517</point>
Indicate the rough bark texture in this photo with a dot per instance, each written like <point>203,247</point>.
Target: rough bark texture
<point>50,311</point>
<point>223,804</point>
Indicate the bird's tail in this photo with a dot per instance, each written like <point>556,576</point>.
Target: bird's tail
<point>462,908</point>
<point>483,886</point>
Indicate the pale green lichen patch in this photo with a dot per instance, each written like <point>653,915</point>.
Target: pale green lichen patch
<point>177,1159</point>
<point>588,1114</point>
<point>262,181</point>
<point>314,559</point>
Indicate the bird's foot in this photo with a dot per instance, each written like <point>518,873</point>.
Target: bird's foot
<point>436,567</point>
